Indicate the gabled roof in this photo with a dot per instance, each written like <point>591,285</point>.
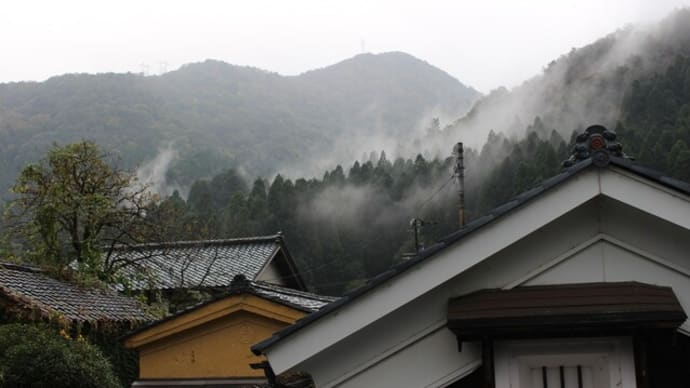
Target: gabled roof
<point>32,292</point>
<point>495,214</point>
<point>305,302</point>
<point>299,300</point>
<point>209,263</point>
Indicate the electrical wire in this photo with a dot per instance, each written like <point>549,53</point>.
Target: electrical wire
<point>426,202</point>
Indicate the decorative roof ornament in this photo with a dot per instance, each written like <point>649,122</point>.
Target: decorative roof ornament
<point>239,283</point>
<point>597,143</point>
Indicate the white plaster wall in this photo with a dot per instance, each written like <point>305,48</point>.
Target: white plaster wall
<point>646,231</point>
<point>433,361</point>
<point>270,274</point>
<point>604,261</point>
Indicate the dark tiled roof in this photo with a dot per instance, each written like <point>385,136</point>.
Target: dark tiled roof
<point>298,300</point>
<point>31,291</point>
<point>185,264</point>
<point>471,227</point>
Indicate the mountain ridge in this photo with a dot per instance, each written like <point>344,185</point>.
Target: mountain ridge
<point>214,114</point>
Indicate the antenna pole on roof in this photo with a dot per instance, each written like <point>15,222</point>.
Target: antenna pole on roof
<point>458,152</point>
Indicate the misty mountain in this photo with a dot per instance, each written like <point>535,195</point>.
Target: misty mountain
<point>588,85</point>
<point>354,223</point>
<point>214,115</point>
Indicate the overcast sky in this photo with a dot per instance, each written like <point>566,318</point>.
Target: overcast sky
<point>484,44</point>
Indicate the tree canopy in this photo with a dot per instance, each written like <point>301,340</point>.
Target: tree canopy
<point>74,206</point>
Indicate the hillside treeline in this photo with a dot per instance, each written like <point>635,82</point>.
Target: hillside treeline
<point>354,222</point>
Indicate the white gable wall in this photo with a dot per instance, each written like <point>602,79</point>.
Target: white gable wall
<point>600,240</point>
<point>644,195</point>
<point>402,334</point>
<point>609,260</point>
<point>271,274</point>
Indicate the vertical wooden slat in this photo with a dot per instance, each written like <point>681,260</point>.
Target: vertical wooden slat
<point>579,376</point>
<point>544,378</point>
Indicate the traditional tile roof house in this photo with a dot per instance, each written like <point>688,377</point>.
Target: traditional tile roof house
<point>582,281</point>
<point>208,344</point>
<point>210,264</point>
<point>26,293</point>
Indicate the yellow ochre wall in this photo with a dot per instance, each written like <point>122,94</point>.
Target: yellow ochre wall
<point>212,341</point>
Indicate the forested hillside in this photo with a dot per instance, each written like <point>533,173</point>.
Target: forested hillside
<point>214,115</point>
<point>587,85</point>
<point>353,223</point>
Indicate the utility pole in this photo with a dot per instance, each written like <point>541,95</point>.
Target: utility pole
<point>458,152</point>
<point>416,224</point>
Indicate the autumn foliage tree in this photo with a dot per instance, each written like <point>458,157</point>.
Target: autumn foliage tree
<point>74,206</point>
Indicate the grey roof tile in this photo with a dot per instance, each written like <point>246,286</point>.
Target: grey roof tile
<point>300,300</point>
<point>34,291</point>
<point>211,263</point>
